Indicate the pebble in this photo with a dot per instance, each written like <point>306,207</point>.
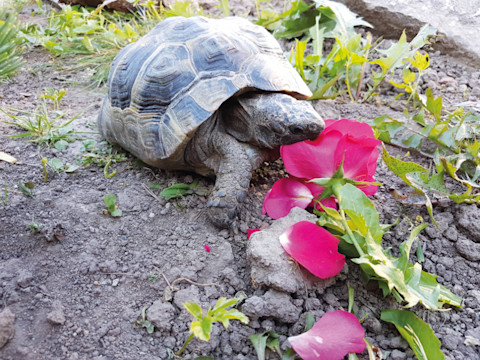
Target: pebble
<point>468,249</point>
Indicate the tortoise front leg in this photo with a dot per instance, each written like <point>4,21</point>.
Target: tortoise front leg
<point>233,168</point>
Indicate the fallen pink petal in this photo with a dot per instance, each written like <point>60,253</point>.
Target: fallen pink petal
<point>332,337</point>
<point>314,248</point>
<point>251,231</point>
<point>207,248</point>
<point>286,194</point>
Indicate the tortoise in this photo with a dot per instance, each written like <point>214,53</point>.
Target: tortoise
<point>212,96</point>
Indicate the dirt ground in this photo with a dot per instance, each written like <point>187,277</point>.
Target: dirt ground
<point>77,287</point>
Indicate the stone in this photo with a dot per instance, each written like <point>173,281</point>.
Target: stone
<point>7,328</point>
<point>161,315</point>
<point>270,264</point>
<point>188,294</point>
<point>57,315</point>
<point>456,20</point>
<point>468,249</point>
<point>274,304</point>
<point>468,219</point>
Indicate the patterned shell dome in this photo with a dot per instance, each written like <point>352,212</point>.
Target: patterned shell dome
<point>162,87</point>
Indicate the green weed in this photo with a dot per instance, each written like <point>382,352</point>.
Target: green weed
<point>4,198</point>
<point>144,323</point>
<point>10,48</point>
<point>44,125</point>
<point>112,208</point>
<point>343,69</point>
<point>101,154</point>
<point>93,38</point>
<point>26,188</point>
<point>202,327</point>
<point>35,227</point>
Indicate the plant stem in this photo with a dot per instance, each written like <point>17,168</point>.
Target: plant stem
<point>347,80</point>
<point>179,352</point>
<point>336,190</point>
<point>350,233</point>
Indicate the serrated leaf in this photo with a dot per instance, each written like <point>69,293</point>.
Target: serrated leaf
<point>399,167</point>
<point>194,309</point>
<point>416,332</point>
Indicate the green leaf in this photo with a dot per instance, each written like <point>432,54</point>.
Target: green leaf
<point>399,167</point>
<point>116,213</point>
<point>194,309</point>
<point>361,211</point>
<point>259,342</point>
<point>61,145</point>
<point>405,247</point>
<point>434,106</point>
<point>309,322</point>
<point>206,326</point>
<point>56,164</point>
<point>110,200</point>
<point>223,303</point>
<point>416,332</point>
<point>26,188</point>
<point>237,315</point>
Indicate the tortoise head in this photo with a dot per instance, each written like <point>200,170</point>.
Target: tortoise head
<point>268,120</point>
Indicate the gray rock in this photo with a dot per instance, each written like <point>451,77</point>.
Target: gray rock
<point>189,294</point>
<point>271,265</point>
<point>24,279</point>
<point>468,249</point>
<point>273,304</point>
<point>457,21</point>
<point>451,341</point>
<point>7,328</point>
<point>161,315</point>
<point>57,315</point>
<point>468,218</point>
<point>398,355</point>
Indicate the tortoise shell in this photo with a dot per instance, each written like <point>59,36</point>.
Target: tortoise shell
<point>164,86</point>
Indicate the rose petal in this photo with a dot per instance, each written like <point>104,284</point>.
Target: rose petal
<point>359,156</point>
<point>314,248</point>
<point>350,127</point>
<point>207,248</point>
<point>284,196</point>
<point>250,232</point>
<point>332,337</point>
<point>311,159</point>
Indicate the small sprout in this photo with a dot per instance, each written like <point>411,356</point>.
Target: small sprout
<point>35,227</point>
<point>110,200</point>
<point>26,188</point>
<point>144,323</point>
<point>3,198</point>
<point>153,278</point>
<point>202,327</point>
